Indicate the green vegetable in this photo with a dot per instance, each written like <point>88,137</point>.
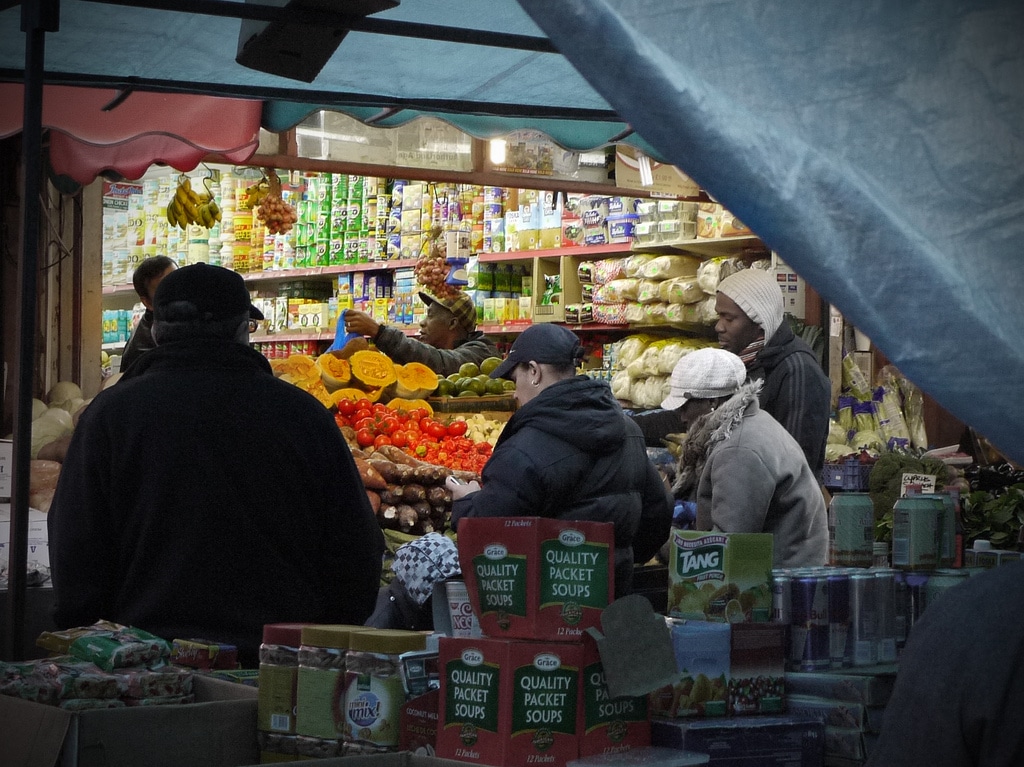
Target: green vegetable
<point>885,483</point>
<point>997,518</point>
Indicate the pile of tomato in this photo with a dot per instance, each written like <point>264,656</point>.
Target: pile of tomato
<point>415,431</point>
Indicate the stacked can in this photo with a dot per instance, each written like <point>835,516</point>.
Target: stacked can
<point>242,228</point>
<point>885,612</point>
<point>393,247</point>
<point>809,627</point>
<point>383,216</point>
<point>838,584</point>
<point>494,220</point>
<point>862,642</point>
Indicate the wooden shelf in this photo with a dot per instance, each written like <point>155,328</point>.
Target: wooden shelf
<point>591,251</point>
<point>708,247</point>
<point>277,275</point>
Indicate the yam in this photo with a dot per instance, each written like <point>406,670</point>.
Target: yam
<point>374,499</point>
<point>372,478</point>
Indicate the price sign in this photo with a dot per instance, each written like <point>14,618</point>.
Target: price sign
<point>925,481</point>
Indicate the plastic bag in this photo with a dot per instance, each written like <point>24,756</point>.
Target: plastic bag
<point>667,267</point>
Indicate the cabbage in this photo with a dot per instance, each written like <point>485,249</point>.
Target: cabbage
<point>38,408</point>
<point>53,424</point>
<point>62,391</point>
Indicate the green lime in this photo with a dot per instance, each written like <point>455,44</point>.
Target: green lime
<point>445,388</point>
<point>489,365</point>
<point>508,385</point>
<point>483,378</point>
<point>495,386</point>
<point>454,377</point>
<point>479,388</point>
<point>469,369</point>
<point>467,393</point>
<point>462,383</point>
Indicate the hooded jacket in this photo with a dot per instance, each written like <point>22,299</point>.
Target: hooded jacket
<point>203,497</point>
<point>796,392</point>
<point>401,348</point>
<point>571,453</point>
<point>748,475</point>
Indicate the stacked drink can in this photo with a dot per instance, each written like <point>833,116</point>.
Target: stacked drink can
<point>838,617</point>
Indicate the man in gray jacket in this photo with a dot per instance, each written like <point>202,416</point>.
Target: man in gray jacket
<point>746,473</point>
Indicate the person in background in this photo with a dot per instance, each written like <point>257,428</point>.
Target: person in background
<point>796,392</point>
<point>145,278</point>
<point>746,473</point>
<point>202,496</point>
<point>569,452</point>
<point>959,694</point>
<point>448,336</point>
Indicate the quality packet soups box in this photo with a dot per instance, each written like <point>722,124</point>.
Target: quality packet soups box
<point>537,578</point>
<point>608,725</point>
<point>507,702</point>
<point>716,576</point>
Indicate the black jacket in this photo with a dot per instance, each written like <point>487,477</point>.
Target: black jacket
<point>141,340</point>
<point>202,497</point>
<point>796,392</point>
<point>571,453</point>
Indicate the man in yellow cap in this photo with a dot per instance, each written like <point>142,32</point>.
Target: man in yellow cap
<point>448,337</point>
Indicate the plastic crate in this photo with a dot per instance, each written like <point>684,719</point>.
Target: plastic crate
<point>846,475</point>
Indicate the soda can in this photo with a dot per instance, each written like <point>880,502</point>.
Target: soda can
<point>862,639</point>
<point>885,612</point>
<point>942,581</point>
<point>838,616</point>
<point>809,629</point>
<point>901,607</point>
<point>917,597</point>
<point>947,525</point>
<point>781,585</point>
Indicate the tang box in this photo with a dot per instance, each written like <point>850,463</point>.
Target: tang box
<point>508,703</point>
<point>537,578</point>
<point>716,576</point>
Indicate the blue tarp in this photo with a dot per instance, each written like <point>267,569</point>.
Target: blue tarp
<point>878,147</point>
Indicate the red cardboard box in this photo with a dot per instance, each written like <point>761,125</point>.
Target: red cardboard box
<point>608,725</point>
<point>537,578</point>
<point>417,726</point>
<point>508,703</point>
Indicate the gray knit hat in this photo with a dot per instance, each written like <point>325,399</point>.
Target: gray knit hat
<point>757,293</point>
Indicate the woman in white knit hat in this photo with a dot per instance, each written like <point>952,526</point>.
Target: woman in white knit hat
<point>796,390</point>
<point>745,472</point>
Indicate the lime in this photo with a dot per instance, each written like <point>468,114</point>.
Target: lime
<point>495,386</point>
<point>489,365</point>
<point>469,369</point>
<point>508,385</point>
<point>467,393</point>
<point>446,388</point>
<point>479,388</point>
<point>454,377</point>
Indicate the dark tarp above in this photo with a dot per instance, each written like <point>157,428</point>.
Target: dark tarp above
<point>878,147</point>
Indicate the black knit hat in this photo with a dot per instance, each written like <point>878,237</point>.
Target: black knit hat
<point>218,293</point>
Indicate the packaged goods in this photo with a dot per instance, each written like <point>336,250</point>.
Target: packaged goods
<point>320,692</point>
<point>608,725</point>
<point>278,677</point>
<point>720,576</point>
<point>537,578</point>
<point>851,530</point>
<point>109,645</point>
<point>508,703</point>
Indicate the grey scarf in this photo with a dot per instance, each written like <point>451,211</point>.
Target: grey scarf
<point>706,433</point>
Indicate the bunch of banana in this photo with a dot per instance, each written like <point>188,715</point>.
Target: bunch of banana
<point>188,206</point>
<point>254,194</point>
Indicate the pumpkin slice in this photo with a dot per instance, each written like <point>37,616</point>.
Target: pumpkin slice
<point>405,405</point>
<point>372,370</point>
<point>414,380</point>
<point>335,371</point>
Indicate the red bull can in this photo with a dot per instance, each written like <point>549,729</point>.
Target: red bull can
<point>885,612</point>
<point>838,616</point>
<point>809,629</point>
<point>782,606</point>
<point>862,639</point>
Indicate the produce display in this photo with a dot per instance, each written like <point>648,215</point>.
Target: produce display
<point>432,267</point>
<point>188,206</point>
<point>264,199</point>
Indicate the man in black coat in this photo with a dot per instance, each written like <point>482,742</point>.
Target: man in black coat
<point>202,497</point>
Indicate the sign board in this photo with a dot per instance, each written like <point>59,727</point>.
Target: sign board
<point>925,481</point>
<point>665,180</point>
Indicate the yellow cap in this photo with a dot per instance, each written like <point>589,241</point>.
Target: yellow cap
<point>336,636</point>
<point>388,641</point>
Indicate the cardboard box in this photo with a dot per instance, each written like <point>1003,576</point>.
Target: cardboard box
<point>869,689</point>
<point>664,180</point>
<point>508,702</point>
<point>38,537</point>
<point>537,578</point>
<point>218,730</point>
<point>767,741</point>
<point>608,725</point>
<point>719,576</point>
<point>757,668</point>
<point>417,725</point>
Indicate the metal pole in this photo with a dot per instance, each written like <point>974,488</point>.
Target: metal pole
<point>37,17</point>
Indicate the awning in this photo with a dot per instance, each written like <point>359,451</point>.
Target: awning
<point>93,130</point>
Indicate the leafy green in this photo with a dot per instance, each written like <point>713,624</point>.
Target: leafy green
<point>995,516</point>
<point>886,479</point>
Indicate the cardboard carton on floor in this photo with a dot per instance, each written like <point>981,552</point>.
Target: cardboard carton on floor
<point>218,730</point>
<point>768,741</point>
<point>537,578</point>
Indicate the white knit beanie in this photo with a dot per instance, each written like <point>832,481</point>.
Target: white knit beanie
<point>705,374</point>
<point>757,293</point>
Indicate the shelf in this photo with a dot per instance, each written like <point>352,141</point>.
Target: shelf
<point>275,275</point>
<point>114,346</point>
<point>591,251</point>
<point>708,247</point>
<point>314,335</point>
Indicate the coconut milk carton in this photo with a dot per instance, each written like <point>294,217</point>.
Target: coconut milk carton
<point>537,578</point>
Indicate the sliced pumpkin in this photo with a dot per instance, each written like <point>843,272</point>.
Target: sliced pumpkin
<point>372,370</point>
<point>335,372</point>
<point>301,365</point>
<point>414,380</point>
<point>402,404</point>
<point>348,393</point>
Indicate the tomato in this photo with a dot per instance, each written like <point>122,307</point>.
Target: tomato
<point>342,420</point>
<point>425,422</point>
<point>365,423</point>
<point>381,408</point>
<point>437,430</point>
<point>364,404</point>
<point>457,428</point>
<point>361,413</point>
<point>399,438</point>
<point>365,437</point>
<point>347,407</point>
<point>383,439</point>
<point>389,425</point>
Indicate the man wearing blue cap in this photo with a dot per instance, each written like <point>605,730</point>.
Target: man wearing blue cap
<point>569,452</point>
